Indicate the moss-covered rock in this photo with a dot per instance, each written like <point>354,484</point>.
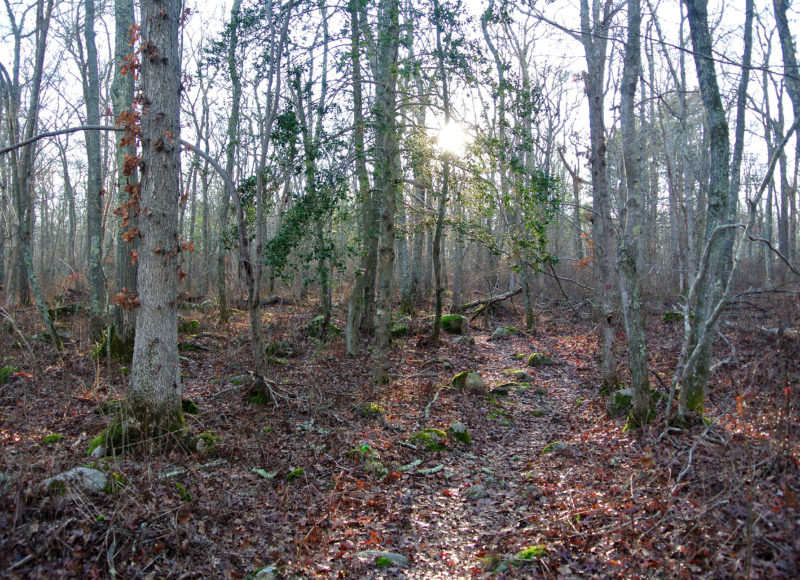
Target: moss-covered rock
<point>470,381</point>
<point>399,330</point>
<point>459,432</point>
<point>279,348</point>
<point>500,333</point>
<point>6,372</point>
<point>189,407</point>
<point>531,553</point>
<point>276,361</point>
<point>468,340</point>
<point>619,403</point>
<point>110,442</point>
<point>431,439</point>
<point>672,316</point>
<point>206,443</point>
<point>538,359</point>
<point>188,326</point>
<point>295,474</point>
<point>552,447</point>
<point>52,438</point>
<point>371,411</point>
<point>454,324</point>
<point>317,329</point>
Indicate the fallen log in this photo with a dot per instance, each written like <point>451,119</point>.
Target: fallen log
<point>484,303</point>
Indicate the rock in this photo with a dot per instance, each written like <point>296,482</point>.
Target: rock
<point>316,328</point>
<point>474,383</point>
<point>383,559</point>
<point>476,491</point>
<point>619,403</point>
<point>523,377</point>
<point>500,333</point>
<point>447,365</point>
<point>267,573</point>
<point>98,452</point>
<point>82,477</point>
<point>454,324</point>
<point>541,391</point>
<point>432,439</point>
<point>672,316</point>
<point>465,340</point>
<point>501,391</point>
<point>538,413</point>
<point>279,348</point>
<point>538,359</point>
<point>460,432</point>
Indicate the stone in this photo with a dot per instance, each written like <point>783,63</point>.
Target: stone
<point>523,377</point>
<point>538,359</point>
<point>468,340</point>
<point>460,432</point>
<point>83,477</point>
<point>383,559</point>
<point>98,452</point>
<point>454,324</point>
<point>500,333</point>
<point>474,383</point>
<point>267,573</point>
<point>476,491</point>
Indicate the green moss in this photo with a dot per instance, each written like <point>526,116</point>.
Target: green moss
<point>432,439</point>
<point>6,372</point>
<point>315,328</point>
<point>383,562</point>
<point>454,323</point>
<point>189,407</point>
<point>295,474</point>
<point>260,398</point>
<point>541,391</point>
<point>188,327</point>
<point>672,316</point>
<point>554,446</point>
<point>183,492</point>
<point>459,380</point>
<point>512,371</point>
<point>188,347</point>
<point>279,348</point>
<point>115,483</point>
<point>512,329</point>
<point>518,356</point>
<point>399,330</point>
<point>537,413</point>
<point>531,553</point>
<point>371,411</point>
<point>538,359</point>
<point>57,487</point>
<point>52,438</point>
<point>459,432</point>
<point>112,438</point>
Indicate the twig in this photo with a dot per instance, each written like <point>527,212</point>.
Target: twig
<point>428,406</point>
<point>780,255</point>
<point>20,563</point>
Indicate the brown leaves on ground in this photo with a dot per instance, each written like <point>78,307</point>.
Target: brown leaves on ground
<point>291,484</point>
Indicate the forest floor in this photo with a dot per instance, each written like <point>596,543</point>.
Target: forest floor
<point>550,487</point>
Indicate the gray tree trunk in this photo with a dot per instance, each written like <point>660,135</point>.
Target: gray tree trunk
<point>628,252</point>
<point>230,157</point>
<point>94,181</point>
<point>594,34</point>
<point>153,399</point>
<point>127,185</point>
<point>386,177</point>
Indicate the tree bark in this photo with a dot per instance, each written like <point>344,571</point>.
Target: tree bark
<point>628,252</point>
<point>594,34</point>
<point>153,399</point>
<point>386,177</point>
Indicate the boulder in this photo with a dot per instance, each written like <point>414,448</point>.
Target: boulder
<point>383,559</point>
<point>82,477</point>
<point>500,333</point>
<point>538,359</point>
<point>476,491</point>
<point>619,403</point>
<point>460,432</point>
<point>454,324</point>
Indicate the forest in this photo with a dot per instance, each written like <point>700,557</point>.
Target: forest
<point>399,289</point>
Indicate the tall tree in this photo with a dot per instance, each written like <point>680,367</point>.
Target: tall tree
<point>124,327</point>
<point>628,252</point>
<point>153,399</point>
<point>386,176</point>
<point>230,155</point>
<point>94,179</point>
<point>595,25</point>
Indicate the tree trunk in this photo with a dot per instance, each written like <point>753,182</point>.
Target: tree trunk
<point>94,181</point>
<point>628,253</point>
<point>122,88</point>
<point>230,157</point>
<point>355,307</point>
<point>593,37</point>
<point>153,399</point>
<point>709,287</point>
<point>386,177</point>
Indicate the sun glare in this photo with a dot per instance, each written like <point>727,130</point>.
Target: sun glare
<point>453,139</point>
